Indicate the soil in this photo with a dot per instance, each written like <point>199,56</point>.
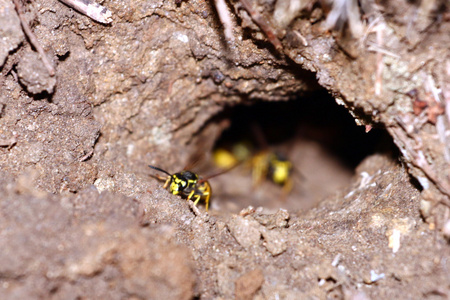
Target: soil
<point>82,215</point>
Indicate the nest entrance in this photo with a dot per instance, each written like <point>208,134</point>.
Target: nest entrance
<point>316,135</point>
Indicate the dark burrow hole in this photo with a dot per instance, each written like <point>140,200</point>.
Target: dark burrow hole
<point>319,138</point>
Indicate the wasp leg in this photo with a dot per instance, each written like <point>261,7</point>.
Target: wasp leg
<point>168,180</point>
<point>200,191</point>
<point>207,196</point>
<point>196,197</point>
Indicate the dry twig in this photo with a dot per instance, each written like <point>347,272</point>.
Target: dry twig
<point>263,24</point>
<point>33,40</point>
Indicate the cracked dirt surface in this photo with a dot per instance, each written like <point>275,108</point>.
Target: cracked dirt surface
<point>82,218</point>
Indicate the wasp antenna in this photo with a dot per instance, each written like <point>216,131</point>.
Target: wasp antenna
<point>159,169</point>
<point>219,173</point>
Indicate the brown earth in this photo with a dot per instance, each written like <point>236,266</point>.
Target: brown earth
<point>82,217</point>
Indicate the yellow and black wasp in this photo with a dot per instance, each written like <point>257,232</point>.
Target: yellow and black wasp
<point>264,164</point>
<point>188,185</point>
<point>273,166</point>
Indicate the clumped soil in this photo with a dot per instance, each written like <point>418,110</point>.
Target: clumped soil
<point>82,216</point>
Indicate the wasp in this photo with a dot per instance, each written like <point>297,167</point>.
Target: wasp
<point>188,185</point>
<point>264,163</point>
<point>273,166</point>
<point>227,159</point>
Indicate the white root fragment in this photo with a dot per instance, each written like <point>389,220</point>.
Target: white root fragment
<point>91,9</point>
<point>225,19</point>
<point>345,11</point>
